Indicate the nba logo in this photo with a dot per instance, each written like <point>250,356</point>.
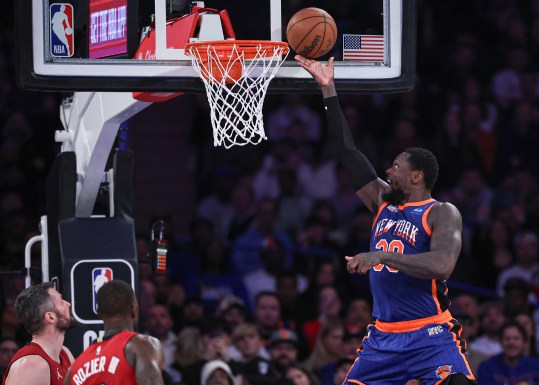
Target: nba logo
<point>100,276</point>
<point>61,30</point>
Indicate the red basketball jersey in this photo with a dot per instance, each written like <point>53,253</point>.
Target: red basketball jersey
<point>104,362</point>
<point>58,370</point>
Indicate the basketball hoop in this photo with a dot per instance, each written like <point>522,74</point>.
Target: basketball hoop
<point>236,75</point>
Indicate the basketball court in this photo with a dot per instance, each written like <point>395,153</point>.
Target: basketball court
<point>120,56</point>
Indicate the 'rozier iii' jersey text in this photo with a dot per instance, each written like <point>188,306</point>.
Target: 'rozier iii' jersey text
<point>97,365</point>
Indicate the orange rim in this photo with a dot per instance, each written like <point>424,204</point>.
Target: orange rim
<point>250,48</point>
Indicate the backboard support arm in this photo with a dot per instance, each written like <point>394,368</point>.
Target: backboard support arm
<point>91,122</point>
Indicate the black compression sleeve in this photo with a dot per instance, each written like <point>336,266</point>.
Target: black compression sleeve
<point>359,169</point>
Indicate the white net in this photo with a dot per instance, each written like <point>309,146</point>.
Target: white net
<point>236,75</point>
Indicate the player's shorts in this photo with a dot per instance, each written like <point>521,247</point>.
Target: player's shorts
<point>430,354</point>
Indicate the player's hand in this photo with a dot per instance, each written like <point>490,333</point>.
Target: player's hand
<point>361,263</point>
<point>323,74</point>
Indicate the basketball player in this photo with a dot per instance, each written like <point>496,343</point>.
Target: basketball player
<point>415,243</point>
<point>46,317</point>
<point>121,356</point>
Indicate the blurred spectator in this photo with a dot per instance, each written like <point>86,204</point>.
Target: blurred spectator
<point>314,239</point>
<point>526,321</point>
<point>515,297</point>
<point>267,315</point>
<point>324,274</point>
<point>318,176</point>
<point>287,289</point>
<point>218,207</point>
<point>473,197</point>
<point>329,305</point>
<point>507,83</point>
<point>283,155</point>
<point>293,109</point>
<point>216,372</point>
<point>328,349</point>
<point>518,137</point>
<point>480,129</point>
<point>492,319</point>
<point>283,350</point>
<point>248,246</point>
<point>243,202</point>
<point>363,133</point>
<point>404,136</point>
<point>247,344</point>
<point>171,295</point>
<point>189,356</point>
<point>345,199</point>
<point>265,278</point>
<point>193,312</point>
<point>511,365</point>
<point>11,327</point>
<point>159,324</point>
<point>357,315</point>
<point>492,249</point>
<point>217,339</point>
<point>352,342</point>
<point>232,310</point>
<point>359,235</point>
<point>526,245</point>
<point>8,348</point>
<point>343,367</point>
<point>293,203</point>
<point>469,328</point>
<point>184,262</point>
<point>148,294</point>
<point>468,305</point>
<point>216,278</point>
<point>298,375</point>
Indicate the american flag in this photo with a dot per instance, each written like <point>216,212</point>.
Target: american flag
<point>366,48</point>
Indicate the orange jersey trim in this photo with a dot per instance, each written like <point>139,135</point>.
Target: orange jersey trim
<point>378,213</point>
<point>435,296</point>
<point>349,370</point>
<point>459,347</point>
<point>425,223</point>
<point>412,204</point>
<point>412,325</point>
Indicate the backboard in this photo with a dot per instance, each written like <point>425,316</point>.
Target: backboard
<point>91,45</point>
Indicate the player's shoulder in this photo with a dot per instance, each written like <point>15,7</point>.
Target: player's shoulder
<point>143,341</point>
<point>27,368</point>
<point>69,354</point>
<point>444,211</point>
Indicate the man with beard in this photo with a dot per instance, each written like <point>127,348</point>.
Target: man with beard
<point>122,356</point>
<point>415,243</point>
<point>46,317</point>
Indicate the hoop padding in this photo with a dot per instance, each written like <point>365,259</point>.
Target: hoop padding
<point>236,75</point>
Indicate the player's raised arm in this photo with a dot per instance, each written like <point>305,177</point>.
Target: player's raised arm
<point>145,355</point>
<point>360,171</point>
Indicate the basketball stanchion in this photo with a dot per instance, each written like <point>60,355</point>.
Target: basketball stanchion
<point>236,75</point>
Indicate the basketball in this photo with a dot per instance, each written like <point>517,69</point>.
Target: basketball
<point>68,31</point>
<point>311,32</point>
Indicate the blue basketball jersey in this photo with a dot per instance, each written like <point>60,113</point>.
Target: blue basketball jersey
<point>399,296</point>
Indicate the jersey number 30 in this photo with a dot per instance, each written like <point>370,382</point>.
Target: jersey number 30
<point>395,246</point>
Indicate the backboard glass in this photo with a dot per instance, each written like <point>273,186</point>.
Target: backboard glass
<point>91,45</point>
